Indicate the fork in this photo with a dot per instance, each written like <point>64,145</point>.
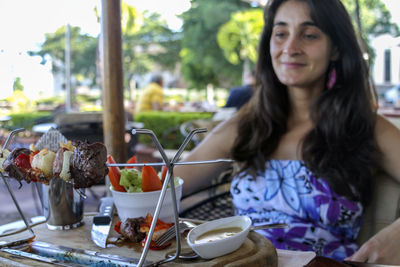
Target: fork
<point>170,233</point>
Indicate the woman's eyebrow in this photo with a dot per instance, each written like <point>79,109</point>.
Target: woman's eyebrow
<point>280,23</point>
<point>305,23</point>
<point>309,23</point>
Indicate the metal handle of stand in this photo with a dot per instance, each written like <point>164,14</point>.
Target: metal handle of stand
<point>10,136</point>
<point>6,143</point>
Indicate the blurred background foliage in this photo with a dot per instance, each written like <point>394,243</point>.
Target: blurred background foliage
<point>217,39</point>
<point>215,46</point>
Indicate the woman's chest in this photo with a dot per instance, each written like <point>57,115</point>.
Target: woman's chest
<point>289,146</point>
<point>289,189</point>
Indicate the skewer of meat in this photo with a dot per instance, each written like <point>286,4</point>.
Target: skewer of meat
<point>82,164</point>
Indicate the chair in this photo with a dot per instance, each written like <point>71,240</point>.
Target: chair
<point>210,203</point>
<point>384,207</point>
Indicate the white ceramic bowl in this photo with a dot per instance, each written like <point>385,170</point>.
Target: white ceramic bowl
<point>133,205</point>
<point>223,246</point>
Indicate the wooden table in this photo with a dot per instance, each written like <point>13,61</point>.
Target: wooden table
<point>255,251</point>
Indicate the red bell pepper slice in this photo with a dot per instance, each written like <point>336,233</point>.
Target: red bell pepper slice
<point>115,175</point>
<point>131,161</point>
<point>117,227</point>
<point>159,225</point>
<point>150,179</point>
<point>23,162</point>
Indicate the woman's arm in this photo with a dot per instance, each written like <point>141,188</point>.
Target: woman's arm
<point>388,140</point>
<point>217,144</point>
<point>384,246</point>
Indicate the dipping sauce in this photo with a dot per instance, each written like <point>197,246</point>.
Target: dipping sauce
<point>217,234</point>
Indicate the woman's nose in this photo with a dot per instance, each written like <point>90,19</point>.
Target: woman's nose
<point>292,46</point>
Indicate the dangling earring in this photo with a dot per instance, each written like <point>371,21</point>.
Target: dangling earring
<point>331,77</point>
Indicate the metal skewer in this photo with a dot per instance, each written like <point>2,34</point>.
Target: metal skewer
<point>163,163</point>
<point>10,136</point>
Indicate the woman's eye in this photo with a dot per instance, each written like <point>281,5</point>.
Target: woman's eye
<point>279,34</point>
<point>310,36</point>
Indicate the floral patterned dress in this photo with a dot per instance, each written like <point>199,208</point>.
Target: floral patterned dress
<point>287,192</point>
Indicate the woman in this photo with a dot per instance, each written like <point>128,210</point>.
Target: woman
<point>310,140</point>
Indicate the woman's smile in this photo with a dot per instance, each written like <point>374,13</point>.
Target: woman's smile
<point>300,51</point>
<point>293,65</point>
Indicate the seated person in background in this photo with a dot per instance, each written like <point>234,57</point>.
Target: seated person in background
<point>310,140</point>
<point>238,96</point>
<point>152,97</point>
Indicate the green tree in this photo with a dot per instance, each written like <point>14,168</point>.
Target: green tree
<point>146,40</point>
<point>203,61</point>
<point>238,38</point>
<point>371,18</point>
<point>82,48</point>
<point>17,85</point>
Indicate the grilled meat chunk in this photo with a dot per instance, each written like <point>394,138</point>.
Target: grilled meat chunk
<point>130,229</point>
<point>12,169</point>
<point>88,164</point>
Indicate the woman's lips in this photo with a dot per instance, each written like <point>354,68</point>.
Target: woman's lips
<point>292,65</point>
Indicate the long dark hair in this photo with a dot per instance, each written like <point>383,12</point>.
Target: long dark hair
<point>341,146</point>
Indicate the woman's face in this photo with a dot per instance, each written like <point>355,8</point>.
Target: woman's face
<point>300,51</point>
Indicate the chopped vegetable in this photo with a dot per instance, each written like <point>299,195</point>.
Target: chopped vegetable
<point>131,161</point>
<point>3,155</point>
<point>23,162</point>
<point>131,180</point>
<point>150,179</point>
<point>161,227</point>
<point>32,155</point>
<point>117,227</point>
<point>114,175</point>
<point>145,226</point>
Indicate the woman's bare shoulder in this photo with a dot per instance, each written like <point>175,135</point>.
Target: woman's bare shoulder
<point>384,125</point>
<point>388,140</point>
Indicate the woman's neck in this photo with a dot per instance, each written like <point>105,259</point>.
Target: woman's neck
<point>300,102</point>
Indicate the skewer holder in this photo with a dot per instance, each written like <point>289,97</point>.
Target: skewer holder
<point>170,165</point>
<point>62,204</point>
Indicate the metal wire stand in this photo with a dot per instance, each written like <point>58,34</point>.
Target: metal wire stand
<point>5,145</point>
<point>170,165</point>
